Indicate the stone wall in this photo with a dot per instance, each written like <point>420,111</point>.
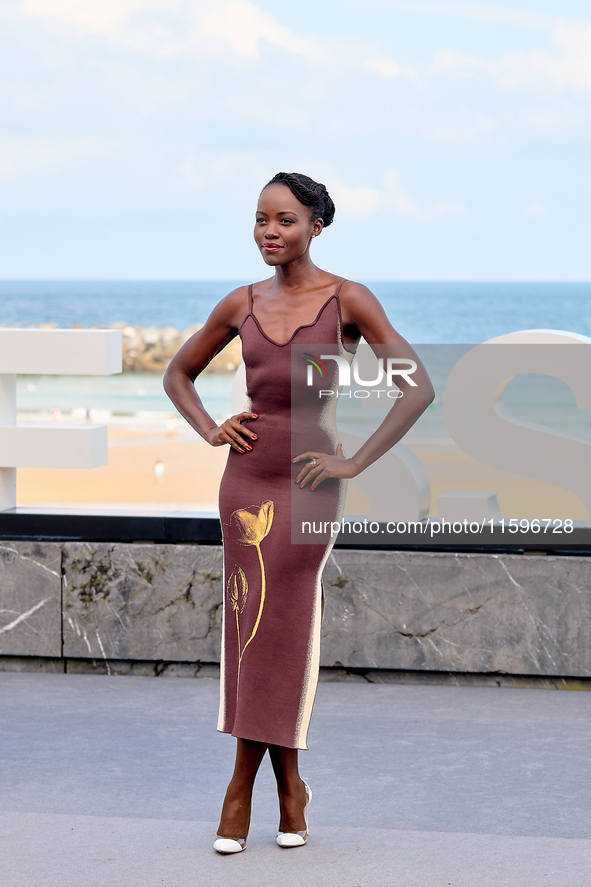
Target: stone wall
<point>517,614</point>
<point>439,611</point>
<point>142,601</point>
<point>30,598</point>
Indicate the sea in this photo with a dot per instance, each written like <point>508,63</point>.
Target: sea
<point>423,312</point>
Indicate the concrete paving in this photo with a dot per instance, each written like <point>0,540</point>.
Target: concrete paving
<point>117,782</point>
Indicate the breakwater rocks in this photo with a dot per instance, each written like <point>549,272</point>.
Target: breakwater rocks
<point>150,349</point>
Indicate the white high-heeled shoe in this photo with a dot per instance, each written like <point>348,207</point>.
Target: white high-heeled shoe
<point>297,839</point>
<point>229,845</point>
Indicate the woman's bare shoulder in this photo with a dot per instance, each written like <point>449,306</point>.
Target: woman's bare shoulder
<point>362,311</point>
<point>351,289</point>
<point>357,299</point>
<point>231,310</point>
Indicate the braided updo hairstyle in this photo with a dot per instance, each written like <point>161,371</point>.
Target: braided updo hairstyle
<point>308,192</point>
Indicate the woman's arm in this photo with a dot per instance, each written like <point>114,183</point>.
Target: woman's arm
<point>363,315</point>
<point>221,327</point>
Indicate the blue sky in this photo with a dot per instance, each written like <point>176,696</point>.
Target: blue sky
<point>454,137</point>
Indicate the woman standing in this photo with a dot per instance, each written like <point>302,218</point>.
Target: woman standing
<point>284,466</point>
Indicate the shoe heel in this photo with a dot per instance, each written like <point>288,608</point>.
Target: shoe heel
<point>297,839</point>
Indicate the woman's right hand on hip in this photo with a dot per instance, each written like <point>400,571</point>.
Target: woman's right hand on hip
<point>233,432</point>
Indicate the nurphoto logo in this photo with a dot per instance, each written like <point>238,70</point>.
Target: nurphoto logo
<point>386,371</point>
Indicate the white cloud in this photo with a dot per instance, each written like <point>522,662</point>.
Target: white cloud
<point>574,66</point>
<point>108,17</point>
<point>225,29</point>
<point>171,27</point>
<point>243,25</point>
<point>389,68</point>
<point>354,201</point>
<point>139,25</point>
<point>568,66</point>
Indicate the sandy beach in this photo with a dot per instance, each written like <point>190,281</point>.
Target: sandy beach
<point>191,472</point>
<point>150,470</point>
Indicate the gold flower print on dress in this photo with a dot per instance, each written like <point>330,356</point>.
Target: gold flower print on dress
<point>238,585</point>
<point>253,528</point>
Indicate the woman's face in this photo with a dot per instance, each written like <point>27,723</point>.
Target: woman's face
<point>283,227</point>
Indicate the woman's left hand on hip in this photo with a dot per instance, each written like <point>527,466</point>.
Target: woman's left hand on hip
<point>320,466</point>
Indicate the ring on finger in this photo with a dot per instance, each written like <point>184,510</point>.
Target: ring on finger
<point>313,463</point>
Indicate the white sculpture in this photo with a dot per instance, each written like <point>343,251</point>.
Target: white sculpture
<point>50,352</point>
<point>480,424</point>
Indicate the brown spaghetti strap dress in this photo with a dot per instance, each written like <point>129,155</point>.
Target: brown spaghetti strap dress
<point>272,584</point>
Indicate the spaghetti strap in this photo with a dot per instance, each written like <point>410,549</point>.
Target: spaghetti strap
<point>250,298</point>
<point>337,297</point>
<point>344,280</point>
